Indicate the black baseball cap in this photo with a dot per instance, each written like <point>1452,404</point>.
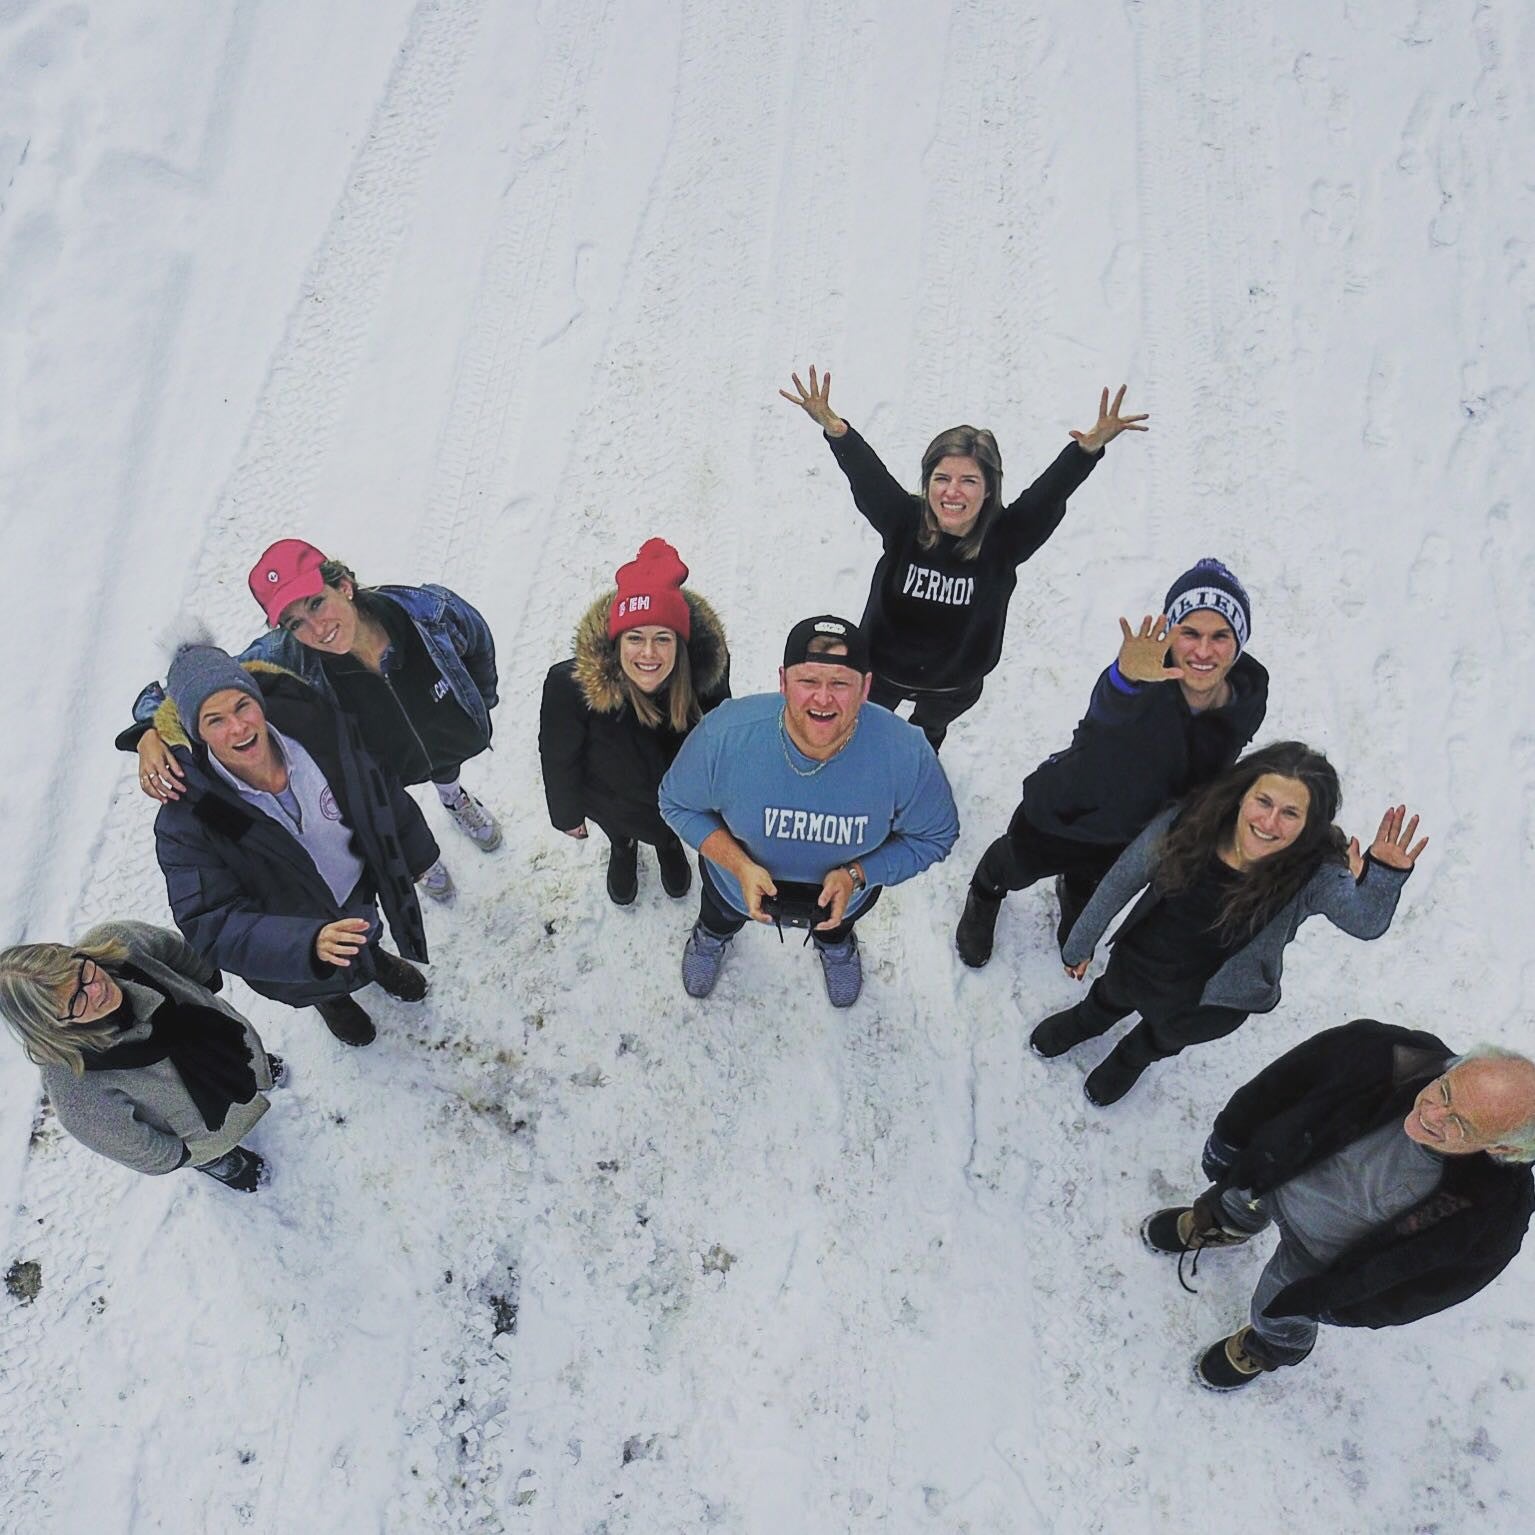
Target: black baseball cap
<point>826,627</point>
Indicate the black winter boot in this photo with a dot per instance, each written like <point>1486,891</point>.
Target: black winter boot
<point>676,871</point>
<point>399,978</point>
<point>1229,1365</point>
<point>347,1021</point>
<point>623,870</point>
<point>1066,1029</point>
<point>1120,1069</point>
<point>977,927</point>
<point>236,1169</point>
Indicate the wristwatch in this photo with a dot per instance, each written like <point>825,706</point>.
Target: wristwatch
<point>855,873</point>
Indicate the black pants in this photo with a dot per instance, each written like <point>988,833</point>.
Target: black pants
<point>661,836</point>
<point>1168,1025</point>
<point>1025,855</point>
<point>934,712</point>
<point>716,915</point>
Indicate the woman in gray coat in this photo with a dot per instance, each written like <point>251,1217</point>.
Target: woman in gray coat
<point>1225,881</point>
<point>141,1061</point>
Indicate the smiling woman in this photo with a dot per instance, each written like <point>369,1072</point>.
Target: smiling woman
<point>650,661</point>
<point>415,666</point>
<point>938,600</point>
<point>1232,873</point>
<point>141,1061</point>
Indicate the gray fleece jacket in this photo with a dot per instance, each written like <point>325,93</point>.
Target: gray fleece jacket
<point>143,1116</point>
<point>1249,980</point>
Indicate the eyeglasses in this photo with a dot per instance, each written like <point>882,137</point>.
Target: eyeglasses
<point>79,1003</point>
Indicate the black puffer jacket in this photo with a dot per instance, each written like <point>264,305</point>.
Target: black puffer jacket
<point>1138,748</point>
<point>599,760</point>
<point>1328,1093</point>
<point>243,890</point>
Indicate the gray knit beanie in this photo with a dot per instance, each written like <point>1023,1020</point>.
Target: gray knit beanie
<point>196,674</point>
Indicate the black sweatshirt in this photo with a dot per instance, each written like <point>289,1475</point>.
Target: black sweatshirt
<point>935,622</point>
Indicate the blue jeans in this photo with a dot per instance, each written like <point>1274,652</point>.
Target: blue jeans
<point>1276,1340</point>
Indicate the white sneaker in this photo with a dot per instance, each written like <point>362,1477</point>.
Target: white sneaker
<point>437,882</point>
<point>476,822</point>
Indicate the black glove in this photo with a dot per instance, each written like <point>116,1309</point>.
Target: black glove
<point>216,980</point>
<point>237,1169</point>
<point>1217,1159</point>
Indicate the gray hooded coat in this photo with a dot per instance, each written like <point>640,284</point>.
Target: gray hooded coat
<point>143,1116</point>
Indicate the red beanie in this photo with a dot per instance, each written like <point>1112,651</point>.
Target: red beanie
<point>650,592</point>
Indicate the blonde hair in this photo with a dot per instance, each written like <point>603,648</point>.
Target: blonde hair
<point>683,710</point>
<point>31,977</point>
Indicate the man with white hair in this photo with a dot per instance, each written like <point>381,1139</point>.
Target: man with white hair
<point>1396,1172</point>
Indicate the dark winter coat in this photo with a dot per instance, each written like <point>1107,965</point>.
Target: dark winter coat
<point>245,892</point>
<point>1324,1095</point>
<point>599,760</point>
<point>1139,747</point>
<point>1248,981</point>
<point>935,622</point>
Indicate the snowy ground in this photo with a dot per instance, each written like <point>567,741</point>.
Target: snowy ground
<point>486,293</point>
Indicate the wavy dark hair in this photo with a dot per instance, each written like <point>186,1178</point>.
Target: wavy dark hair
<point>1208,820</point>
<point>963,442</point>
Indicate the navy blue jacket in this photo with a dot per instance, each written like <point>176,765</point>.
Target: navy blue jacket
<point>242,889</point>
<point>1138,748</point>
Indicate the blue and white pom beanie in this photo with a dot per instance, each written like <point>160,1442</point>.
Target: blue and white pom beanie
<point>1210,585</point>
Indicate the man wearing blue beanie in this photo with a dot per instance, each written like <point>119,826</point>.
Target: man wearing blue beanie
<point>1173,710</point>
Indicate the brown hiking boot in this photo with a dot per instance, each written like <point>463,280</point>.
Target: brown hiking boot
<point>1227,1366</point>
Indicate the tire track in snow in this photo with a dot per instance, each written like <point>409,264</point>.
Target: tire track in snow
<point>989,127</point>
<point>284,450</point>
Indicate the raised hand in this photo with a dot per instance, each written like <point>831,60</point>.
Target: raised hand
<point>1393,844</point>
<point>816,402</point>
<point>1110,423</point>
<point>1142,652</point>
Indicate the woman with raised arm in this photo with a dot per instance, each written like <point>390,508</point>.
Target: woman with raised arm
<point>650,661</point>
<point>140,1059</point>
<point>415,666</point>
<point>937,605</point>
<point>1226,879</point>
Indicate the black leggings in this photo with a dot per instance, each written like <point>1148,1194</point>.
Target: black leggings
<point>716,915</point>
<point>934,712</point>
<point>661,838</point>
<point>1167,1026</point>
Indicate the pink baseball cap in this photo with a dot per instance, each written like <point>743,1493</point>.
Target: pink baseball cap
<point>290,569</point>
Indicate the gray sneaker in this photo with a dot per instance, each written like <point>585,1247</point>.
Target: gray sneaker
<point>476,822</point>
<point>702,958</point>
<point>843,970</point>
<point>437,882</point>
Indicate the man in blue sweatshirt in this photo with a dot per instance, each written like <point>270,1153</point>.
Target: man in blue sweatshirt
<point>805,801</point>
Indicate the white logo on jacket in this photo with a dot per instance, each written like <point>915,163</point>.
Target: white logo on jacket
<point>814,826</point>
<point>934,586</point>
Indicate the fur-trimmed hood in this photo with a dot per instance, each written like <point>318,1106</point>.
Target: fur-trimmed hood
<point>597,671</point>
<point>168,722</point>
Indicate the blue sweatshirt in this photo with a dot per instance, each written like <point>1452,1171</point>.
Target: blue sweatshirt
<point>882,801</point>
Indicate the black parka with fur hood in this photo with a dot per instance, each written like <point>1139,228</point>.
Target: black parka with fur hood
<point>600,762</point>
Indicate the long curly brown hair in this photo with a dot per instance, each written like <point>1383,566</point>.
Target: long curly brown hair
<point>1207,823</point>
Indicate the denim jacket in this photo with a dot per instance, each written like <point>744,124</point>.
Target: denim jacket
<point>456,635</point>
